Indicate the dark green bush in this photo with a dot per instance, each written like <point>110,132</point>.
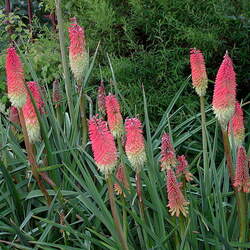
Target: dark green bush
<point>148,42</point>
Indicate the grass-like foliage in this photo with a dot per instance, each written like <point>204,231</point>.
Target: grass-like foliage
<point>60,200</point>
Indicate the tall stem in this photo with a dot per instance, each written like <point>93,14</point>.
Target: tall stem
<point>117,222</point>
<point>141,203</point>
<point>64,58</point>
<point>227,152</point>
<point>240,196</point>
<point>31,157</point>
<point>204,137</point>
<point>83,114</point>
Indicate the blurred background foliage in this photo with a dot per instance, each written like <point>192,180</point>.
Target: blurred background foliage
<point>148,42</point>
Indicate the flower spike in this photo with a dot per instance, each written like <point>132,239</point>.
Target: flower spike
<point>176,201</point>
<point>224,97</point>
<point>78,56</point>
<point>103,145</point>
<point>114,116</point>
<point>29,113</point>
<point>236,126</point>
<point>242,179</point>
<point>181,168</point>
<point>168,158</point>
<point>15,79</point>
<point>199,74</point>
<point>101,99</point>
<point>134,146</point>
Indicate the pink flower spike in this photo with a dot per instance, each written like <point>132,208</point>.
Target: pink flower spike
<point>103,145</point>
<point>198,70</point>
<point>242,179</point>
<point>236,126</point>
<point>78,56</point>
<point>181,168</point>
<point>224,97</point>
<point>134,145</point>
<point>29,113</point>
<point>168,158</point>
<point>176,201</point>
<point>101,99</point>
<point>15,78</point>
<point>114,116</point>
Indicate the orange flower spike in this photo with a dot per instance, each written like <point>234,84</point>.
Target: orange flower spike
<point>176,201</point>
<point>224,97</point>
<point>236,126</point>
<point>198,69</point>
<point>181,168</point>
<point>15,79</point>
<point>134,145</point>
<point>168,158</point>
<point>29,113</point>
<point>78,56</point>
<point>114,116</point>
<point>242,179</point>
<point>103,145</point>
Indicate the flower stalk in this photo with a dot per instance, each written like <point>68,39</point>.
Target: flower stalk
<point>117,222</point>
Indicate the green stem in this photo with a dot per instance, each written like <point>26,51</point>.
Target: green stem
<point>64,57</point>
<point>204,138</point>
<point>83,115</point>
<point>141,203</point>
<point>31,158</point>
<point>227,152</point>
<point>117,222</point>
<point>242,213</point>
<point>240,196</point>
<point>124,218</point>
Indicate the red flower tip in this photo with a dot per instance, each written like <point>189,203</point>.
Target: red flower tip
<point>78,56</point>
<point>15,78</point>
<point>101,99</point>
<point>134,145</point>
<point>114,116</point>
<point>103,145</point>
<point>242,180</point>
<point>176,201</point>
<point>198,70</point>
<point>224,97</point>
<point>29,113</point>
<point>236,126</point>
<point>181,168</point>
<point>168,158</point>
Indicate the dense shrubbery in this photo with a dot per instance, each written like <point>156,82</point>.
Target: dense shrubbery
<point>148,43</point>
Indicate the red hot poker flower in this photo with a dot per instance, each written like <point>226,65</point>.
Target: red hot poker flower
<point>78,56</point>
<point>103,145</point>
<point>134,146</point>
<point>176,201</point>
<point>168,158</point>
<point>29,113</point>
<point>236,126</point>
<point>224,97</point>
<point>198,69</point>
<point>15,79</point>
<point>181,168</point>
<point>114,116</point>
<point>242,179</point>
